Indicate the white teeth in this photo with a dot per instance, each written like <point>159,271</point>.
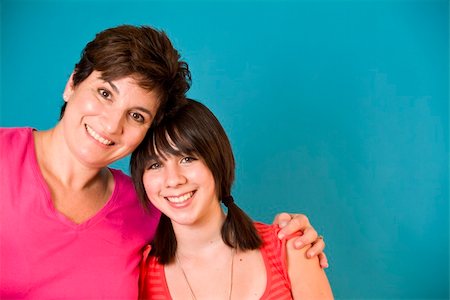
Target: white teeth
<point>180,198</point>
<point>97,137</point>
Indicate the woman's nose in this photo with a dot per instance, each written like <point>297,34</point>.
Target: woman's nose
<point>113,121</point>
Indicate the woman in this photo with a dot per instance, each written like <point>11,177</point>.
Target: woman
<point>185,168</point>
<point>72,228</point>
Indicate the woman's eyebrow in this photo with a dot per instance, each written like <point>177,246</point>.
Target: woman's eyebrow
<point>113,86</point>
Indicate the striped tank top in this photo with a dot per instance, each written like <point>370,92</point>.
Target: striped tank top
<point>153,283</point>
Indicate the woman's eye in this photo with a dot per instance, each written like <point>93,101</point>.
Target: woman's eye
<point>104,93</point>
<point>137,117</point>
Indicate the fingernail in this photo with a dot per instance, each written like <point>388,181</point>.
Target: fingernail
<point>282,224</point>
<point>281,235</point>
<point>310,254</point>
<point>298,244</point>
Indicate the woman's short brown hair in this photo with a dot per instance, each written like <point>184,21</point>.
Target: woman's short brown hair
<point>139,51</point>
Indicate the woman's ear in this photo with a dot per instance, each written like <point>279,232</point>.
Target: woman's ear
<point>68,90</point>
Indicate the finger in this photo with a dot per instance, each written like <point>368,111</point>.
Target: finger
<point>298,223</point>
<point>316,248</point>
<point>309,236</point>
<point>323,260</point>
<point>282,219</point>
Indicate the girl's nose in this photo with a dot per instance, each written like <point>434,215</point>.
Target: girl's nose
<point>174,176</point>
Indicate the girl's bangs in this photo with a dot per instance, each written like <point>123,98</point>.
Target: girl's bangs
<point>170,141</point>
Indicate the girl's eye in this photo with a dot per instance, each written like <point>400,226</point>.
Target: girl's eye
<point>137,117</point>
<point>104,93</point>
<point>154,166</point>
<point>188,159</point>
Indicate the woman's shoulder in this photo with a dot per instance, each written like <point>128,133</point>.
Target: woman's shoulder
<point>15,143</point>
<point>126,201</point>
<point>15,133</point>
<point>119,175</point>
<point>123,185</point>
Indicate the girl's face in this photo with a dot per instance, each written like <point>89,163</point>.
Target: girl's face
<point>105,121</point>
<point>183,188</point>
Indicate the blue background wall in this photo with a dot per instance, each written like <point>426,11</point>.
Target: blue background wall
<point>337,109</point>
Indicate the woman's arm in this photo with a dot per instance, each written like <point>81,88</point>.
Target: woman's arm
<point>308,279</point>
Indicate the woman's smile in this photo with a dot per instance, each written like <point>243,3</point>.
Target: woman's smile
<point>98,137</point>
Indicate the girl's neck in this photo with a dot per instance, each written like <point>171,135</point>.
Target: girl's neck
<point>205,236</point>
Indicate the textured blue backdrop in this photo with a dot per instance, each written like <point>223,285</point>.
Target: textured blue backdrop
<point>338,109</point>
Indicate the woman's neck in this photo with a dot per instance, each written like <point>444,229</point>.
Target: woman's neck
<point>54,161</point>
<point>76,191</point>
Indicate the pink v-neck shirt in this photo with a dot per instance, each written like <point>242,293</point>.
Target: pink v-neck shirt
<point>44,255</point>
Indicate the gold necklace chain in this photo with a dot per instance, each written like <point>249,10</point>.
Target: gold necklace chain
<point>189,285</point>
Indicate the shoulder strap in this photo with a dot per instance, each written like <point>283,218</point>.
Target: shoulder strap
<point>143,270</point>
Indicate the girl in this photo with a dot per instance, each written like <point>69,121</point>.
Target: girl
<point>185,168</point>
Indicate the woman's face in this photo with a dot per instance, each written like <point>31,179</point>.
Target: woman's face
<point>105,121</point>
<point>182,188</point>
